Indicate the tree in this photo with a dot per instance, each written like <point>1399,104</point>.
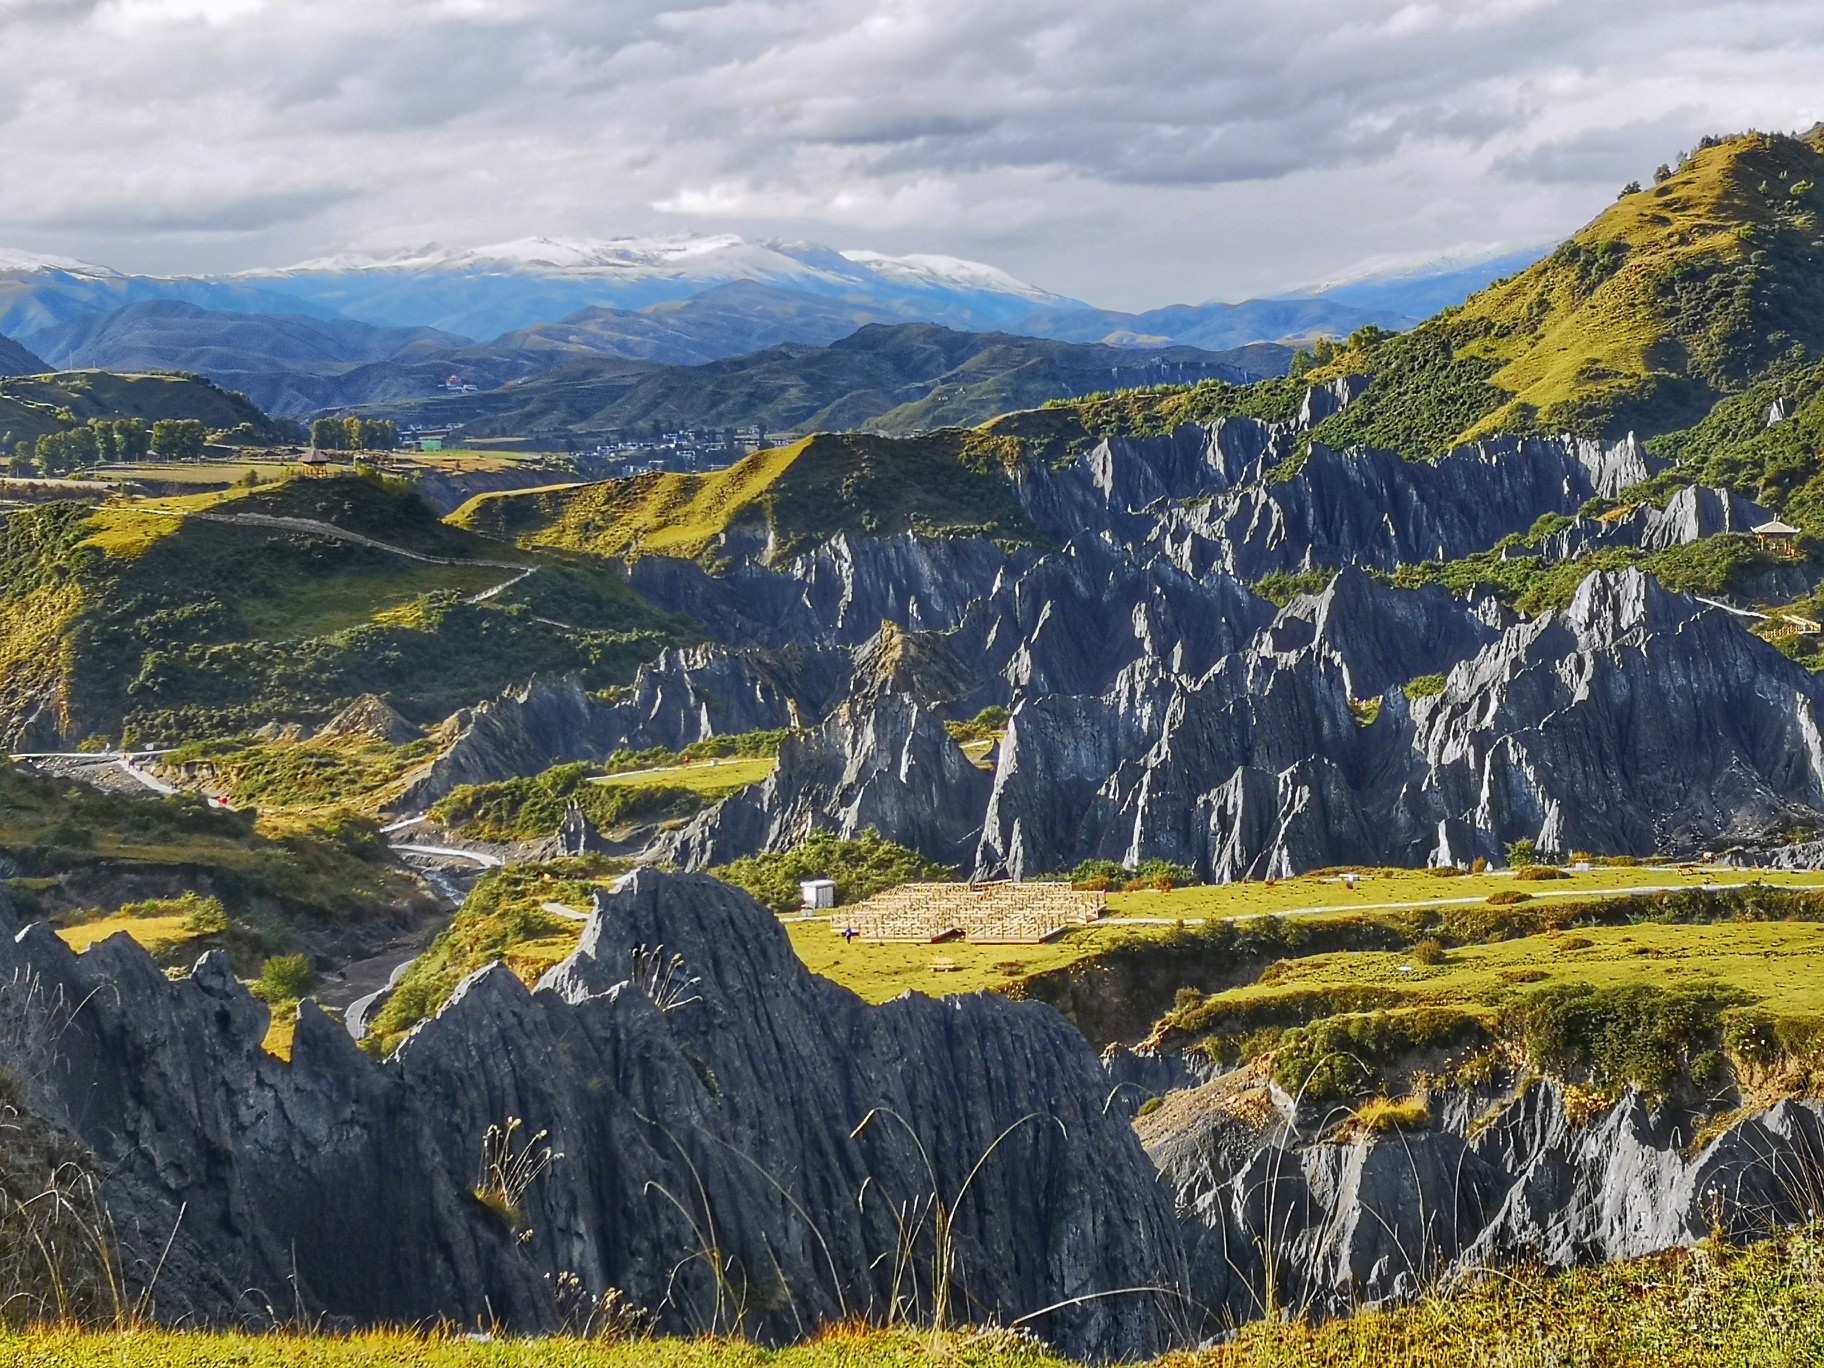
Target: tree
<point>1631,188</point>
<point>178,439</point>
<point>327,434</point>
<point>1661,174</point>
<point>131,439</point>
<point>1522,852</point>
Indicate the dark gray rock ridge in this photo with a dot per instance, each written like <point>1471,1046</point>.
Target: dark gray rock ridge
<point>1496,1181</point>
<point>715,1164</point>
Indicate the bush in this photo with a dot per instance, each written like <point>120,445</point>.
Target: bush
<point>1425,686</point>
<point>987,725</point>
<point>1429,951</point>
<point>1380,1114</point>
<point>1102,875</point>
<point>861,867</point>
<point>1637,1035</point>
<point>1507,897</point>
<point>1341,1057</point>
<point>284,978</point>
<point>1535,873</point>
<point>1523,852</point>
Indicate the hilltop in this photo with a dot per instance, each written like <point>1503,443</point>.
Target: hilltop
<point>1677,294</point>
<point>36,404</point>
<point>780,498</point>
<point>187,618</point>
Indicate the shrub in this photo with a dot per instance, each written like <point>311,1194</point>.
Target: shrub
<point>1429,951</point>
<point>1507,897</point>
<point>1425,686</point>
<point>1635,1035</point>
<point>987,725</point>
<point>1380,1114</point>
<point>1524,851</point>
<point>1102,875</point>
<point>1534,873</point>
<point>285,978</point>
<point>1344,1056</point>
<point>861,867</point>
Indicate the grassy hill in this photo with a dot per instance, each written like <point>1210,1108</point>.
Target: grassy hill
<point>96,863</point>
<point>164,621</point>
<point>33,405</point>
<point>1675,295</point>
<point>900,377</point>
<point>814,488</point>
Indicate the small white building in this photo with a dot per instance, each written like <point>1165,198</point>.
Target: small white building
<point>818,895</point>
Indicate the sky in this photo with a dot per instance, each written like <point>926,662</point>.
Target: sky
<point>1131,153</point>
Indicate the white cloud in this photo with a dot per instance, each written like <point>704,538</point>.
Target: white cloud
<point>1133,153</point>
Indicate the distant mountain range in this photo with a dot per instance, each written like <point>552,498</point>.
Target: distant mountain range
<point>399,333</point>
<point>903,377</point>
<point>16,360</point>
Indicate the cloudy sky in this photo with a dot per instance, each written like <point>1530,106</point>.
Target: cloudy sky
<point>1128,152</point>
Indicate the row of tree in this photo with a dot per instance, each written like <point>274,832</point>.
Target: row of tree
<point>354,434</point>
<point>110,439</point>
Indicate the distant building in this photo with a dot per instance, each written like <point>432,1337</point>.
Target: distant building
<point>819,895</point>
<point>1781,538</point>
<point>431,443</point>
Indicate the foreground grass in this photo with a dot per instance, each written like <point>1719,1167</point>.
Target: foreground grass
<point>1710,1307</point>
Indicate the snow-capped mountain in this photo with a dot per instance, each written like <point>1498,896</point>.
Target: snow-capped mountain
<point>485,291</point>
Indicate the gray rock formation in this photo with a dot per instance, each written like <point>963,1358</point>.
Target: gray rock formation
<point>835,595</point>
<point>1636,720</point>
<point>1372,508</point>
<point>709,1152</point>
<point>1498,1181</point>
<point>685,695</point>
<point>885,765</point>
<point>1690,515</point>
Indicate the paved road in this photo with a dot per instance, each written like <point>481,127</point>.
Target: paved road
<point>480,857</point>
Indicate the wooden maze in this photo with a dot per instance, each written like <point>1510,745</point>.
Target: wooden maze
<point>986,913</point>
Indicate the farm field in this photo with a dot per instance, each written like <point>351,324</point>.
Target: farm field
<point>878,972</point>
<point>712,778</point>
<point>1779,965</point>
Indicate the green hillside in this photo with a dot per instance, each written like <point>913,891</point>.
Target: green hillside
<point>1675,295</point>
<point>164,621</point>
<point>33,406</point>
<point>829,483</point>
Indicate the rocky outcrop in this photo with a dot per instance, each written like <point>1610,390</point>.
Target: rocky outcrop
<point>885,765</point>
<point>1379,636</point>
<point>1635,720</point>
<point>1373,508</point>
<point>371,717</point>
<point>1336,1223</point>
<point>835,595</point>
<point>734,1143</point>
<point>685,695</point>
<point>1690,515</point>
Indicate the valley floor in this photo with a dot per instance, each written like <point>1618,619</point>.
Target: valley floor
<point>1710,1306</point>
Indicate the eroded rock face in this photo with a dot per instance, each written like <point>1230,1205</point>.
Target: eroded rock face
<point>686,695</point>
<point>1334,1224</point>
<point>706,1114</point>
<point>884,764</point>
<point>1634,720</point>
<point>1374,508</point>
